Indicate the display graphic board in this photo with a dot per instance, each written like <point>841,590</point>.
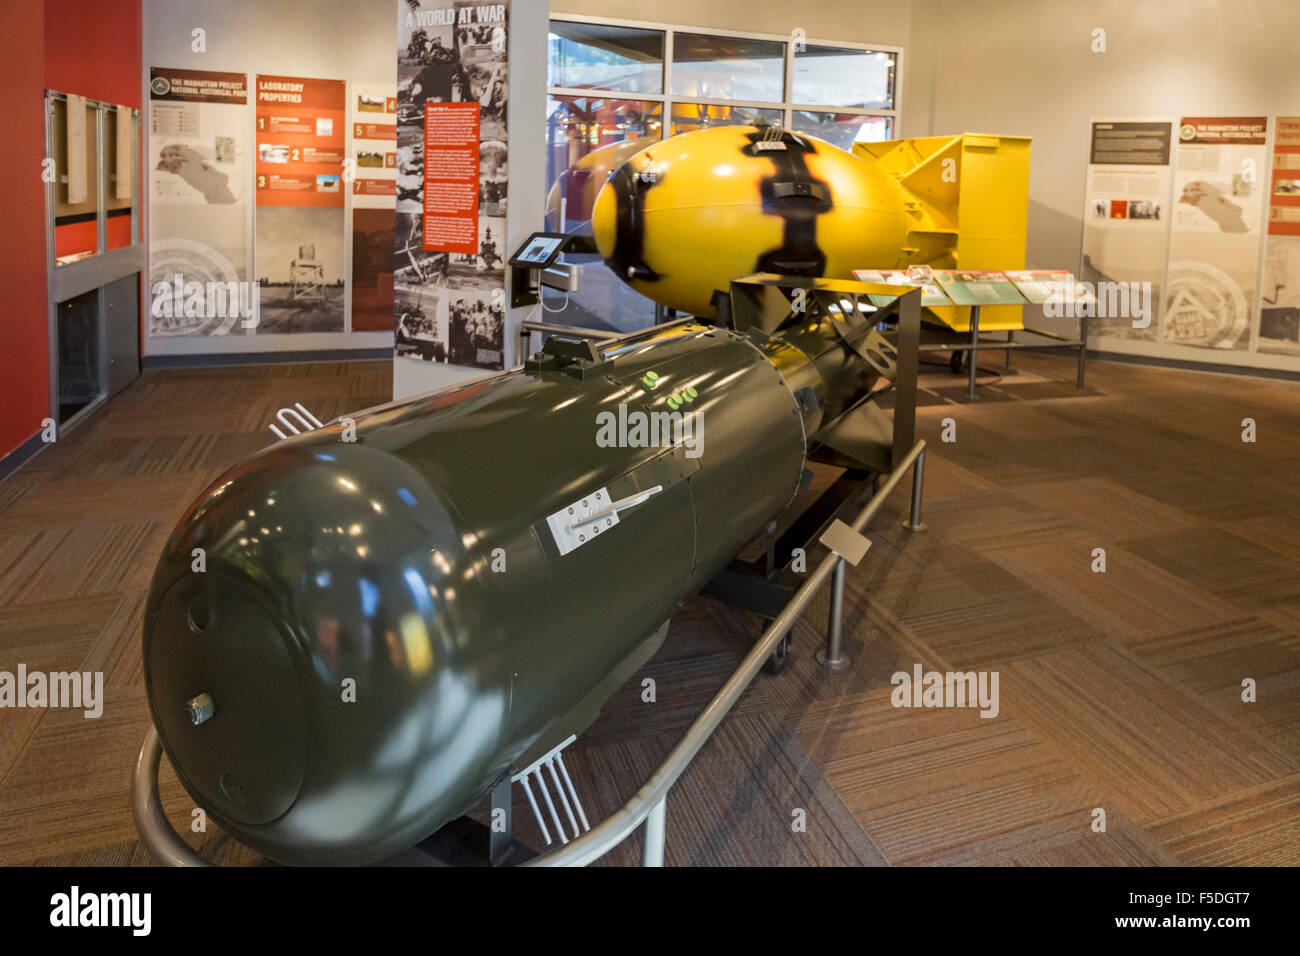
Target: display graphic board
<point>922,277</point>
<point>1126,216</point>
<point>976,287</point>
<point>199,168</point>
<point>1040,286</point>
<point>449,269</point>
<point>373,109</point>
<point>299,248</point>
<point>1214,248</point>
<point>1279,312</point>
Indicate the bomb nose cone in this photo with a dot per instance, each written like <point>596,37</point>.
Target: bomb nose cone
<point>309,602</point>
<point>243,750</point>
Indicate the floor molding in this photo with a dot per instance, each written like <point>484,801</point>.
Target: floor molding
<point>264,358</point>
<point>21,455</point>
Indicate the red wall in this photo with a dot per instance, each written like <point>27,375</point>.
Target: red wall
<point>94,49</point>
<point>24,355</point>
<point>74,47</point>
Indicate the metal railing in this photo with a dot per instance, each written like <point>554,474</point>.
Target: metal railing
<point>649,805</point>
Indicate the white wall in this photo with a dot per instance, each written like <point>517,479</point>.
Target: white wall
<point>1025,67</point>
<point>353,40</point>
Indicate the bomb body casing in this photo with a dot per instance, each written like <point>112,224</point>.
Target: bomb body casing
<point>370,565</point>
<point>683,217</point>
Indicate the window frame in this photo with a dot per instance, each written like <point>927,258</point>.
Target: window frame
<point>786,105</point>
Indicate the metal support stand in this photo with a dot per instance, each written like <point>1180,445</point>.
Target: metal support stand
<point>833,656</point>
<point>1011,338</point>
<point>914,522</point>
<point>565,791</point>
<point>974,348</point>
<point>652,847</point>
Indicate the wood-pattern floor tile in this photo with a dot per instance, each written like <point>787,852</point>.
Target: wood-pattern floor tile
<point>1254,826</point>
<point>1154,749</point>
<point>1118,690</point>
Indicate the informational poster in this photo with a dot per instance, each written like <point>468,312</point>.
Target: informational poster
<point>978,287</point>
<point>198,167</point>
<point>1126,220</point>
<point>1054,286</point>
<point>452,170</point>
<point>373,109</point>
<point>1214,249</point>
<point>451,140</point>
<point>299,247</point>
<point>920,276</point>
<point>1279,313</point>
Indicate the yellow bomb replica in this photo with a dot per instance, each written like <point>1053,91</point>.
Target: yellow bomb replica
<point>685,216</point>
<point>581,183</point>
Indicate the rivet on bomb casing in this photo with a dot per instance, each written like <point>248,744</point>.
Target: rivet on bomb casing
<point>200,708</point>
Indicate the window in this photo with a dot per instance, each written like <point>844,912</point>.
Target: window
<point>691,116</point>
<point>728,68</point>
<point>843,129</point>
<point>577,126</point>
<point>839,76</point>
<point>616,87</point>
<point>593,56</point>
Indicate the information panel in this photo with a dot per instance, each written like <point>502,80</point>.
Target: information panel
<point>1126,222</point>
<point>198,167</point>
<point>920,276</point>
<point>978,287</point>
<point>299,248</point>
<point>374,198</point>
<point>1279,312</point>
<point>1214,248</point>
<point>452,94</point>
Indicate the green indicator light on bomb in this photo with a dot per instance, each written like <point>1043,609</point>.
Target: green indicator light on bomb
<point>689,394</point>
<point>651,379</point>
<point>674,401</point>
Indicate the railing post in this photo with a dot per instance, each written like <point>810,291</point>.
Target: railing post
<point>833,657</point>
<point>1083,350</point>
<point>652,845</point>
<point>918,480</point>
<point>525,343</point>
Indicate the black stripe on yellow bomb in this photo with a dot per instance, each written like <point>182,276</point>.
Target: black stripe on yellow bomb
<point>683,217</point>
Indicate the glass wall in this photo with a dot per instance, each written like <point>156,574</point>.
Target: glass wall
<point>844,77</point>
<point>595,56</point>
<point>615,88</point>
<point>728,68</point>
